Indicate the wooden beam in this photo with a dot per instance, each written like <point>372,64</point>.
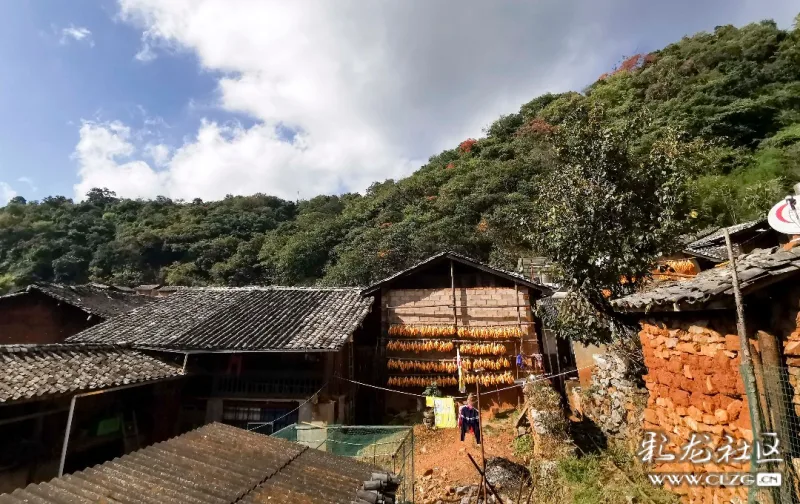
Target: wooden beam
<point>455,308</point>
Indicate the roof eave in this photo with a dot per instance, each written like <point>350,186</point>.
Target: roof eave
<point>546,291</point>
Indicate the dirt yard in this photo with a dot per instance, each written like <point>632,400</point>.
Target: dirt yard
<point>441,464</point>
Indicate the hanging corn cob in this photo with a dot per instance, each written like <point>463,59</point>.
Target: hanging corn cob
<point>420,346</point>
<point>483,348</point>
<point>426,331</point>
<point>448,366</point>
<point>421,381</point>
<point>443,331</point>
<point>444,366</point>
<point>489,379</point>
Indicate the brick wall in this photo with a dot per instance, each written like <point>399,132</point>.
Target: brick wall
<point>695,386</point>
<point>414,300</point>
<point>33,319</point>
<point>415,309</point>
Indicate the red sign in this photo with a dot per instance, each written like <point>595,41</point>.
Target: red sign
<point>784,217</point>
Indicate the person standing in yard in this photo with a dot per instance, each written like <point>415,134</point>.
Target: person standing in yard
<point>469,420</point>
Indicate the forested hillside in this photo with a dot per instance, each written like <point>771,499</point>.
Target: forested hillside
<point>731,97</point>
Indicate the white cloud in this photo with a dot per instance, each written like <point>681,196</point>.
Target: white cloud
<point>159,153</point>
<point>374,87</point>
<point>79,33</point>
<point>146,53</point>
<point>29,182</point>
<point>6,193</point>
<point>104,155</point>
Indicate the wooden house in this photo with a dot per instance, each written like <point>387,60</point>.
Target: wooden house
<point>69,406</point>
<point>50,313</point>
<point>693,353</point>
<point>254,354</point>
<point>451,304</point>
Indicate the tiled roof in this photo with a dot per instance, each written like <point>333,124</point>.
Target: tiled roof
<point>711,245</point>
<point>105,301</point>
<point>30,371</point>
<point>756,269</point>
<point>508,275</point>
<point>239,318</point>
<point>215,464</point>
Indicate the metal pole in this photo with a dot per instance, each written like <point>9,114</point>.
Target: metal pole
<point>66,435</point>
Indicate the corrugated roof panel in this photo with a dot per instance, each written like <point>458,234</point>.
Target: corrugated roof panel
<point>215,464</point>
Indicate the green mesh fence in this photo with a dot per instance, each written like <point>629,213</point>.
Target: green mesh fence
<point>777,392</point>
<point>389,447</point>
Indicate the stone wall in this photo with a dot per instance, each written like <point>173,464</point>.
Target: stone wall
<point>695,386</point>
<point>615,399</point>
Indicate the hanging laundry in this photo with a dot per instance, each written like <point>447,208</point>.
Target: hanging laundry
<point>469,420</point>
<point>444,409</point>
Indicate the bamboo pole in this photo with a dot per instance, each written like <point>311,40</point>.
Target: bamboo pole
<point>747,361</point>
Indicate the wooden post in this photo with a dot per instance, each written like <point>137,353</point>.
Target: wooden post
<point>748,374</point>
<point>521,329</point>
<point>777,414</point>
<point>480,426</point>
<point>453,287</point>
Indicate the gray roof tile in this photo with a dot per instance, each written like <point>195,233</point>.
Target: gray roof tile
<point>37,370</point>
<point>711,245</point>
<point>105,301</point>
<point>713,284</point>
<point>244,318</point>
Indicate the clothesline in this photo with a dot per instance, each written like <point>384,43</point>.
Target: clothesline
<point>541,378</point>
<point>261,424</point>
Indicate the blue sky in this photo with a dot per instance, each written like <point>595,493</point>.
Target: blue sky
<point>51,83</point>
<point>239,96</point>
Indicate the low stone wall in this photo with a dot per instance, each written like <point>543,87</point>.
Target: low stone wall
<point>615,399</point>
<point>695,387</point>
